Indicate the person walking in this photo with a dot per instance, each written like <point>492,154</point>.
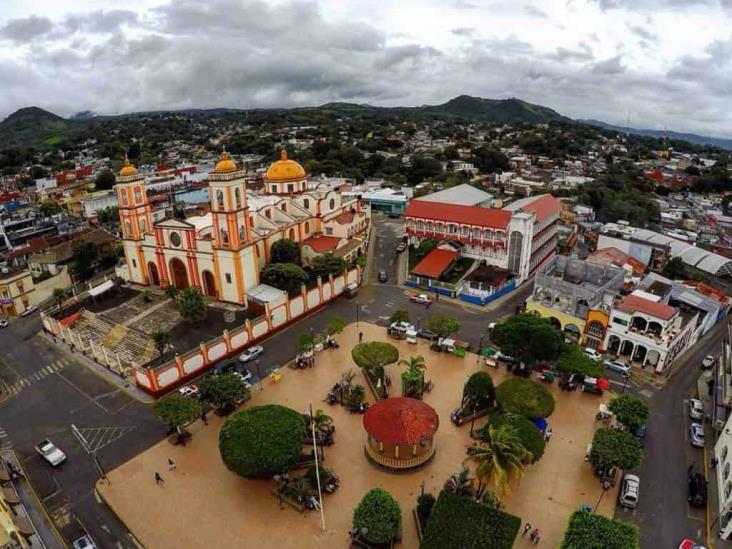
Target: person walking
<point>360,337</point>
<point>203,417</point>
<point>158,478</point>
<point>548,435</point>
<point>537,536</point>
<point>527,528</point>
<point>171,465</point>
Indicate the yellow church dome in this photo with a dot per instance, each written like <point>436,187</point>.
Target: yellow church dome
<point>226,164</point>
<point>128,169</point>
<point>284,169</point>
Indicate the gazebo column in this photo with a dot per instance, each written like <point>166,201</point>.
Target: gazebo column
<point>381,446</point>
<point>414,449</point>
<point>396,451</point>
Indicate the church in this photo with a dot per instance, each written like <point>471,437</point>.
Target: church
<point>223,252</point>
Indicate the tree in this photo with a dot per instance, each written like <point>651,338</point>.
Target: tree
<point>423,167</point>
<point>60,295</point>
<point>478,392</point>
<point>324,265</point>
<point>374,355</point>
<point>108,216</point>
<point>262,441</point>
<point>612,448</point>
<point>177,411</point>
<point>379,516</point>
<point>171,292</point>
<point>460,484</point>
<point>413,376</point>
<point>305,343</point>
<point>425,246</point>
<point>489,160</point>
<point>631,411</point>
<point>49,207</point>
<point>104,180</point>
<point>528,434</point>
<point>161,339</point>
<point>84,257</point>
<point>399,315</point>
<point>528,338</point>
<point>335,326</point>
<point>591,531</point>
<point>443,325</point>
<point>499,457</point>
<point>525,397</point>
<point>574,361</point>
<point>286,251</point>
<point>675,269</point>
<point>287,277</point>
<point>223,391</point>
<point>191,305</point>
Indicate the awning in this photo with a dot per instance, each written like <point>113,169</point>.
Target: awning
<point>540,422</point>
<point>103,287</point>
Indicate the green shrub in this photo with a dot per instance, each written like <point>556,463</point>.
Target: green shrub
<point>613,448</point>
<point>574,361</point>
<point>425,503</point>
<point>262,441</point>
<point>529,434</point>
<point>523,396</point>
<point>630,411</point>
<point>591,531</point>
<point>380,514</point>
<point>458,521</point>
<point>479,390</point>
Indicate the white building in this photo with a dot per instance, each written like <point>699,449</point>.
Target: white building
<point>97,201</point>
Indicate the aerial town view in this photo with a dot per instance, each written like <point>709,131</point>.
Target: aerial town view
<point>307,274</point>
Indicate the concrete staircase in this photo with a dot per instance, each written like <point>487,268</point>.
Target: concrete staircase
<point>131,345</point>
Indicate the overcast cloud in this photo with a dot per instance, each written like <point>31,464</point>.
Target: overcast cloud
<point>668,62</point>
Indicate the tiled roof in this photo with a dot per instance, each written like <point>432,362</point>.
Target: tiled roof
<point>543,206</point>
<point>322,244</point>
<point>614,256</point>
<point>633,303</point>
<point>470,215</point>
<point>401,421</point>
<point>345,218</point>
<point>435,263</point>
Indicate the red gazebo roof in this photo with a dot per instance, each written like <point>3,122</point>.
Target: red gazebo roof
<point>400,420</point>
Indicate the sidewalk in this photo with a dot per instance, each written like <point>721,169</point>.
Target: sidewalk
<point>110,377</point>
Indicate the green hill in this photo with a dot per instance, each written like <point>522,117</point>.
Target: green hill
<point>34,127</point>
<point>497,110</point>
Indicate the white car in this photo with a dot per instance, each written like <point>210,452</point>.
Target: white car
<point>30,310</point>
<point>401,327</point>
<point>424,299</point>
<point>50,452</point>
<point>696,409</point>
<point>618,366</point>
<point>592,353</point>
<point>251,353</point>
<point>708,361</point>
<point>84,542</point>
<point>3,323</point>
<point>629,491</point>
<point>696,435</point>
<point>188,391</point>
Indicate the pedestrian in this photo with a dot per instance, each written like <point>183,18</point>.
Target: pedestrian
<point>714,462</point>
<point>158,478</point>
<point>204,418</point>
<point>548,435</point>
<point>171,465</point>
<point>437,296</point>
<point>537,536</point>
<point>360,337</point>
<point>527,528</point>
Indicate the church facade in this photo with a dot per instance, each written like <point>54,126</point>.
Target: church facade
<point>223,252</point>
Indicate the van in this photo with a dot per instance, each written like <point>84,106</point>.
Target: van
<point>351,290</point>
<point>629,491</point>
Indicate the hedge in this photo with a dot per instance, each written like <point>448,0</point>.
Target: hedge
<point>525,397</point>
<point>457,521</point>
<point>262,441</point>
<point>591,531</point>
<point>380,514</point>
<point>528,433</point>
<point>613,448</point>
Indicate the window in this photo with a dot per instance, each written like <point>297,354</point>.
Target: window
<point>724,453</point>
<point>307,227</point>
<point>224,236</point>
<point>237,198</point>
<point>128,229</point>
<point>134,264</point>
<point>274,188</point>
<point>620,321</point>
<point>143,226</point>
<point>242,232</point>
<point>726,471</point>
<point>727,489</point>
<point>123,197</point>
<point>138,194</point>
<point>228,278</point>
<point>290,188</point>
<point>268,214</point>
<point>175,239</point>
<point>20,286</point>
<point>284,206</point>
<point>306,203</point>
<point>332,203</point>
<point>329,231</point>
<point>220,198</point>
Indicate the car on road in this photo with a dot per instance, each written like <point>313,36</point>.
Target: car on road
<point>696,409</point>
<point>383,277</point>
<point>708,361</point>
<point>84,542</point>
<point>629,491</point>
<point>188,391</point>
<point>697,490</point>
<point>225,367</point>
<point>592,353</point>
<point>618,366</point>
<point>3,323</point>
<point>689,544</point>
<point>50,452</point>
<point>251,353</point>
<point>424,299</point>
<point>30,310</point>
<point>696,435</point>
<point>244,373</point>
<point>427,334</point>
<point>401,326</point>
<point>401,247</point>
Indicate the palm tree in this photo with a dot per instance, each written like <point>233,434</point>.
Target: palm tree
<point>460,483</point>
<point>322,421</point>
<point>415,366</point>
<point>500,457</point>
<point>60,295</point>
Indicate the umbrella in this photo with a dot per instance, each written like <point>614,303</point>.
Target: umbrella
<point>602,384</point>
<point>540,422</point>
<point>488,351</point>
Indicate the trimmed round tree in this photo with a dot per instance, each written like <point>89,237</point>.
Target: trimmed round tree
<point>630,411</point>
<point>529,434</point>
<point>262,441</point>
<point>380,515</point>
<point>525,397</point>
<point>479,390</point>
<point>373,356</point>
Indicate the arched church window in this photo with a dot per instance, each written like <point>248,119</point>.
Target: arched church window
<point>143,226</point>
<point>128,229</point>
<point>224,237</point>
<point>237,198</point>
<point>220,199</point>
<point>242,233</point>
<point>332,203</point>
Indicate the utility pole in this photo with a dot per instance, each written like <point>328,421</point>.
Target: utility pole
<point>93,455</point>
<point>317,468</point>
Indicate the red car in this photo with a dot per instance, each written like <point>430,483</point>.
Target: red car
<point>424,299</point>
<point>688,544</point>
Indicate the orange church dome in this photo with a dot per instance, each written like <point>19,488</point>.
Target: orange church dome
<point>127,169</point>
<point>226,164</point>
<point>284,169</point>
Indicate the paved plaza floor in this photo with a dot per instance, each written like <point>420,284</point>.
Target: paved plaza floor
<point>202,504</point>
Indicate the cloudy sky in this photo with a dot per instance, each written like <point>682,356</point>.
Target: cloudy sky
<point>666,61</point>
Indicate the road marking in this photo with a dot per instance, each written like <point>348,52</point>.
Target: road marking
<point>92,399</point>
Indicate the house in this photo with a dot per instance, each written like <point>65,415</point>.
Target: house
<point>462,195</point>
<point>16,291</point>
<point>51,260</point>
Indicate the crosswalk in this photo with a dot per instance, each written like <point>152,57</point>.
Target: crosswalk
<point>5,443</point>
<point>37,376</point>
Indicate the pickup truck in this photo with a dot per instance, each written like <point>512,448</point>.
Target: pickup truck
<point>48,451</point>
<point>450,345</point>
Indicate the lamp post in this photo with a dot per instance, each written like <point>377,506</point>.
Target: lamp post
<point>259,373</point>
<point>480,347</point>
<point>472,419</point>
<point>605,488</point>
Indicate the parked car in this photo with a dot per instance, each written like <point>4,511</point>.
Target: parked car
<point>244,372</point>
<point>499,356</point>
<point>225,367</point>
<point>629,491</point>
<point>424,299</point>
<point>3,323</point>
<point>708,361</point>
<point>50,452</point>
<point>401,247</point>
<point>84,542</point>
<point>383,277</point>
<point>593,354</point>
<point>689,544</point>
<point>696,409</point>
<point>618,366</point>
<point>188,391</point>
<point>30,310</point>
<point>401,327</point>
<point>251,353</point>
<point>696,435</point>
<point>697,490</point>
<point>427,334</point>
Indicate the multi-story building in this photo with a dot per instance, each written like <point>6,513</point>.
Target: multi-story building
<point>16,291</point>
<point>223,251</point>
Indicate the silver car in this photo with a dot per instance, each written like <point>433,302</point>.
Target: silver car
<point>618,366</point>
<point>696,409</point>
<point>696,435</point>
<point>629,491</point>
<point>251,353</point>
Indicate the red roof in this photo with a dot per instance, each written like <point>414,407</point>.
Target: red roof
<point>543,206</point>
<point>466,215</point>
<point>402,421</point>
<point>636,304</point>
<point>614,256</point>
<point>435,263</point>
<point>345,218</point>
<point>322,244</point>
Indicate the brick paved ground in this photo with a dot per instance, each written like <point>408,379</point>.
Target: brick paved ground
<point>202,504</point>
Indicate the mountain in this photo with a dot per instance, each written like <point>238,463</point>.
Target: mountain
<point>691,137</point>
<point>497,110</point>
<point>33,127</point>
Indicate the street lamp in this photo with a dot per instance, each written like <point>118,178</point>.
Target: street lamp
<point>605,488</point>
<point>259,373</point>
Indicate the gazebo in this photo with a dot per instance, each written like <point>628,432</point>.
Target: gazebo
<point>400,432</point>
